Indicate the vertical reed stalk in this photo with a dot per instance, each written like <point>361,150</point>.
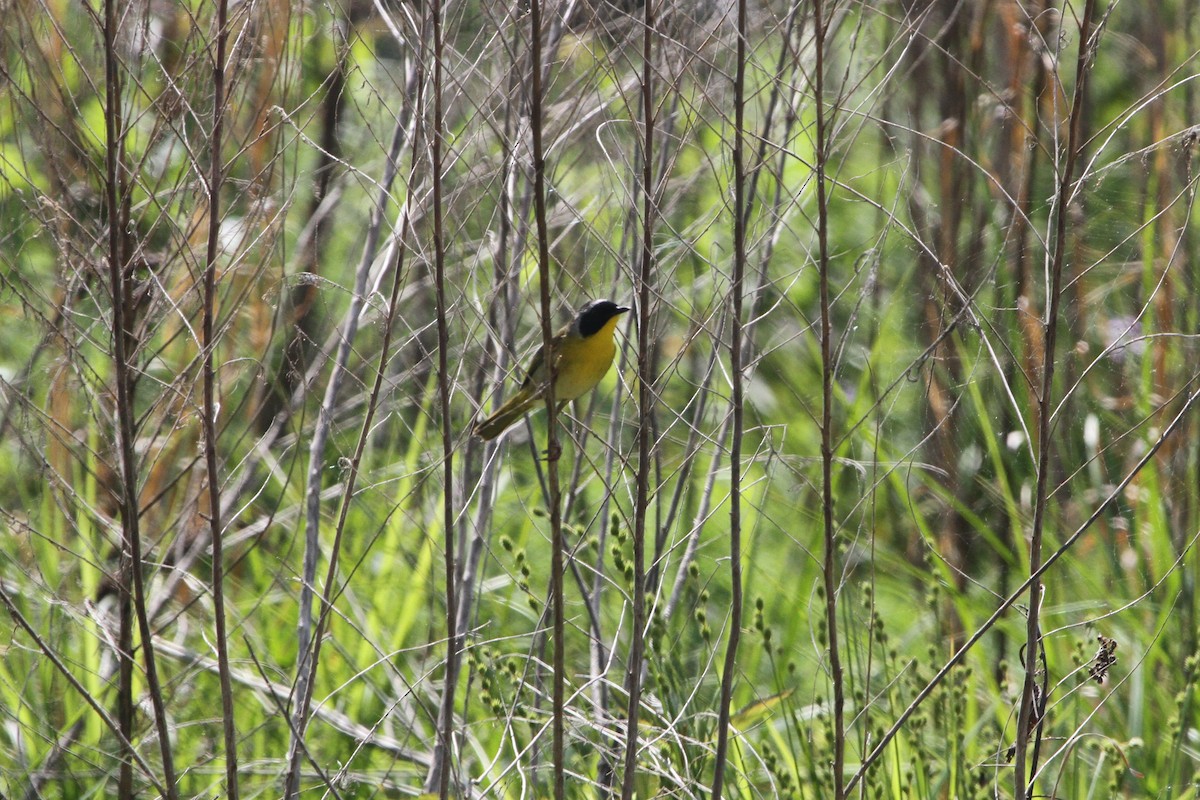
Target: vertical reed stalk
<point>553,448</point>
<point>633,676</point>
<point>132,589</point>
<point>215,180</point>
<point>446,715</point>
<point>829,567</point>
<point>1029,715</point>
<point>738,391</point>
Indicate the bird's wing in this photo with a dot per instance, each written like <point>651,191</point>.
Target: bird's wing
<point>535,371</point>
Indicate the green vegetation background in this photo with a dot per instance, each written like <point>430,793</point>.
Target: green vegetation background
<point>947,133</point>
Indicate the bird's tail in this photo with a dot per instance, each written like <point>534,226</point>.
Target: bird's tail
<point>517,406</point>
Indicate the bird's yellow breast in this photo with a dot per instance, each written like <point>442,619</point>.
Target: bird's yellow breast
<point>583,362</point>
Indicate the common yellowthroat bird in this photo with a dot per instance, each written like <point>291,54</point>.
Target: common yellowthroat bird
<point>581,353</point>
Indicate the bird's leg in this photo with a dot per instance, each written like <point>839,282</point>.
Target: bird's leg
<point>557,452</point>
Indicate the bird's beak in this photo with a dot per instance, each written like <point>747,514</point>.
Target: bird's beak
<point>622,309</point>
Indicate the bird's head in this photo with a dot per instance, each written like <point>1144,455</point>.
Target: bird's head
<point>594,315</point>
